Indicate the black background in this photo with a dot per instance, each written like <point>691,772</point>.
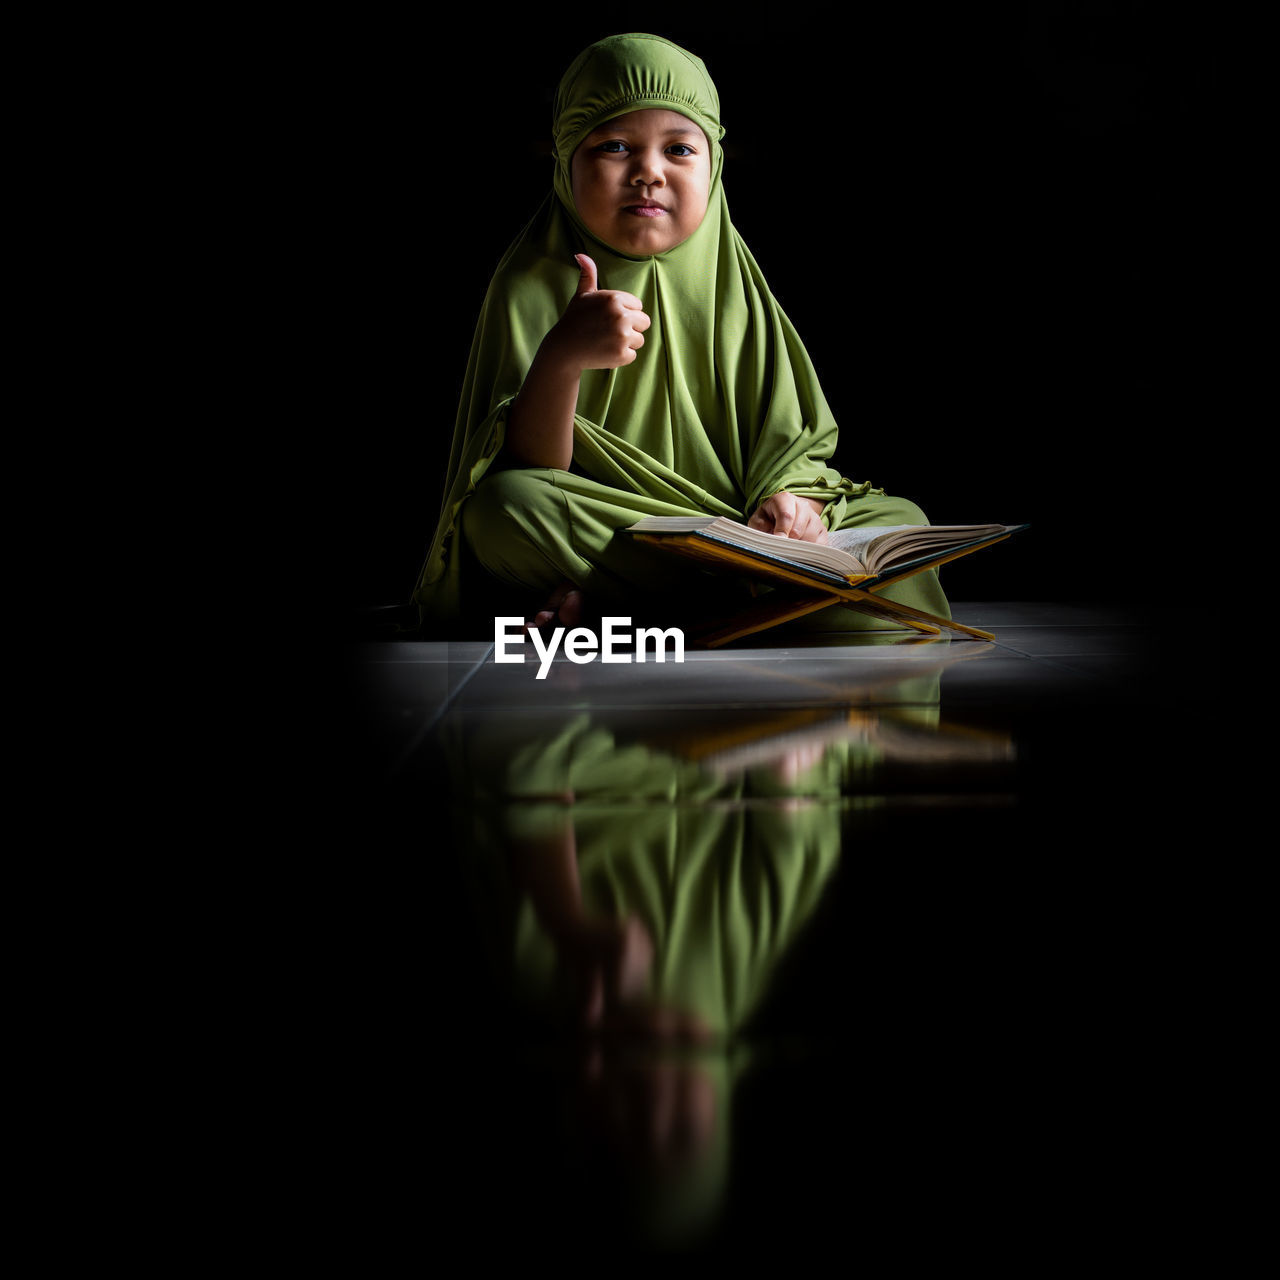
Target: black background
<point>986,225</point>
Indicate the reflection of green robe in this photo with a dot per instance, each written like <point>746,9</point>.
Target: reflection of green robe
<point>721,409</point>
<point>723,885</point>
<point>723,891</point>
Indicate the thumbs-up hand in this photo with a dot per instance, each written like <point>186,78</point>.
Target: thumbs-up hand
<point>600,328</point>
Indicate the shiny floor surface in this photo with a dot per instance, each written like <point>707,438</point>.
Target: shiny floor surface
<point>787,943</point>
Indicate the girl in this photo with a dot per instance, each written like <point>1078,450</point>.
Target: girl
<point>630,361</point>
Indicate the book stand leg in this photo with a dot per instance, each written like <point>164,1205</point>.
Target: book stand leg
<point>908,616</point>
<point>759,617</point>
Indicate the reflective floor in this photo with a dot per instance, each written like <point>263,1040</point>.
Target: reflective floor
<point>765,950</point>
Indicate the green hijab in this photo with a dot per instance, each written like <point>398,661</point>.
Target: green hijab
<point>721,409</point>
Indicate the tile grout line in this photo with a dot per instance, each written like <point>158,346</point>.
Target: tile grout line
<point>1058,662</point>
<point>416,741</point>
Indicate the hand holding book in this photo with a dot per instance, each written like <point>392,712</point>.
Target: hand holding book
<point>792,517</point>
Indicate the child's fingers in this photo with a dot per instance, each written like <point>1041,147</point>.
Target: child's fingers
<point>628,300</point>
<point>600,328</point>
<point>809,526</point>
<point>784,509</point>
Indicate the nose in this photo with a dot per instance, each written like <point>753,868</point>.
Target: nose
<point>646,168</point>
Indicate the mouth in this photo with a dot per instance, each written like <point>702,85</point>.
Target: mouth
<point>645,209</point>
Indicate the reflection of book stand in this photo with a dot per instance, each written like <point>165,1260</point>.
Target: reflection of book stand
<point>898,739</point>
<point>821,590</point>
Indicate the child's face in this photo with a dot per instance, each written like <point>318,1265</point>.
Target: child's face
<point>641,181</point>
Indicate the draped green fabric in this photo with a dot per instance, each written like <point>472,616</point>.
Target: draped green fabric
<point>722,407</point>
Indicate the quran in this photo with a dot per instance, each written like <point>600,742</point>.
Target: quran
<point>850,555</point>
<point>848,569</point>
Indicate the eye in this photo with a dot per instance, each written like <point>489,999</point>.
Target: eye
<point>613,147</point>
<point>681,149</point>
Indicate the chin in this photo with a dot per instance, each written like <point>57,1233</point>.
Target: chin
<point>642,244</point>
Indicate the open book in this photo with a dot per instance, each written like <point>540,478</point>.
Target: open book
<point>855,556</point>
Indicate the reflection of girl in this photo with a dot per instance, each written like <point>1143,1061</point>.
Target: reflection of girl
<point>636,892</point>
<point>630,360</point>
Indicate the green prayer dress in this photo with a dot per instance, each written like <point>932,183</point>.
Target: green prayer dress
<point>720,410</point>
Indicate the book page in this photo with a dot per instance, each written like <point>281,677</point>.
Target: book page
<point>792,551</point>
<point>854,540</point>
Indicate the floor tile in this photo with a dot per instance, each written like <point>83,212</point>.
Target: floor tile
<point>393,692</point>
<point>990,614</point>
<point>688,890</point>
<point>1046,642</point>
<point>750,678</point>
<point>457,652</point>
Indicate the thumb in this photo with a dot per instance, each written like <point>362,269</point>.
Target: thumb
<point>587,283</point>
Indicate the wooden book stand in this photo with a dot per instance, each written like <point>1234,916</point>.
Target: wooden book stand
<point>783,606</point>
